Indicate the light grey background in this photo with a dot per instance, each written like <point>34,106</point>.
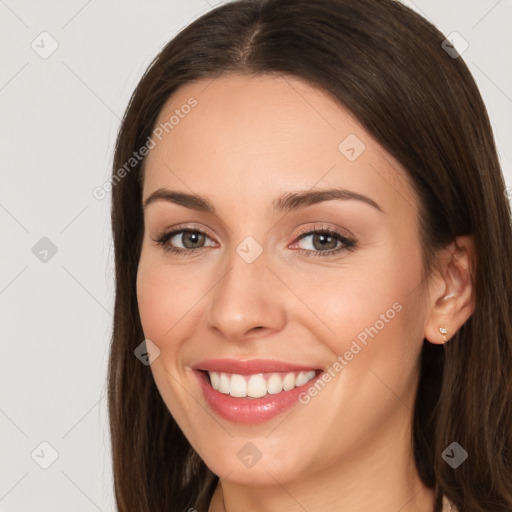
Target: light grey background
<point>59,118</point>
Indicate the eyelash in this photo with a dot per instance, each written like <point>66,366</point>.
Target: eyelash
<point>348,244</point>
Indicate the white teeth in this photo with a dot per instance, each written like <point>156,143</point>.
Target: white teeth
<point>224,384</point>
<point>275,384</point>
<point>238,386</point>
<point>257,386</point>
<point>215,379</point>
<point>301,379</point>
<point>289,382</point>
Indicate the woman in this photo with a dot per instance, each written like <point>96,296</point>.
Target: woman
<point>312,248</point>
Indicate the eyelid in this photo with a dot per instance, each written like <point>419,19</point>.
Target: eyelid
<point>186,227</point>
<point>305,229</point>
<point>322,226</point>
<point>344,236</point>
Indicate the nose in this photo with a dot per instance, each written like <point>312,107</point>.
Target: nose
<point>247,301</point>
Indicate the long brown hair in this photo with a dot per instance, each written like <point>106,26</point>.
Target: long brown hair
<point>386,64</point>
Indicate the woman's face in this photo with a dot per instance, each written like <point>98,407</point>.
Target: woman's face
<point>278,281</point>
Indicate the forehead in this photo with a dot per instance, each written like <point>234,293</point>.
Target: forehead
<point>257,134</point>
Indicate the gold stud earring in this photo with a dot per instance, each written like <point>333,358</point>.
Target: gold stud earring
<point>443,331</point>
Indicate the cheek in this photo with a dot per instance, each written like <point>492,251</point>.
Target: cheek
<point>369,310</point>
<point>355,296</point>
<point>161,297</point>
<point>165,298</point>
<point>165,305</point>
<point>152,301</point>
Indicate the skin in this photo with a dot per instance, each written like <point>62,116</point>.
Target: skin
<point>248,141</point>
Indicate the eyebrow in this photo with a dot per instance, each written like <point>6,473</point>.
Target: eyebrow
<point>287,202</point>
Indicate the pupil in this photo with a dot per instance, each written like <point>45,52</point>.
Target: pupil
<point>196,238</point>
<point>324,241</point>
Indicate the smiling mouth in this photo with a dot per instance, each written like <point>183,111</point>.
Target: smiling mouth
<point>258,385</point>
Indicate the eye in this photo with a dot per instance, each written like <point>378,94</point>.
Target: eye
<point>183,241</point>
<point>317,242</point>
<point>324,242</point>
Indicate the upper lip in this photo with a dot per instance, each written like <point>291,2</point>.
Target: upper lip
<point>249,367</point>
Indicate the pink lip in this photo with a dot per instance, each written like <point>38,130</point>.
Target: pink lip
<point>249,367</point>
<point>249,411</point>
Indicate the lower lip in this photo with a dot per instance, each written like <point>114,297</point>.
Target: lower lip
<point>250,411</point>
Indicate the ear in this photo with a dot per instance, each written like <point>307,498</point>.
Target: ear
<point>451,292</point>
